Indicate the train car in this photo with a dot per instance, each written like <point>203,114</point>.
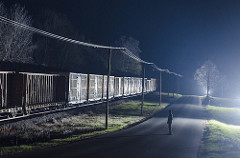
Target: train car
<point>131,85</point>
<point>25,92</point>
<point>95,87</point>
<point>118,86</point>
<point>145,85</point>
<point>6,80</point>
<point>126,86</point>
<point>78,86</point>
<point>134,85</point>
<point>4,90</point>
<point>39,90</point>
<point>111,87</point>
<point>138,85</point>
<point>148,88</point>
<point>153,84</point>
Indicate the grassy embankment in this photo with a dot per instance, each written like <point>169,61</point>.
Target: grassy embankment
<point>221,137</point>
<point>81,125</point>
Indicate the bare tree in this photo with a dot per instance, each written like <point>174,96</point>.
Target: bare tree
<point>62,55</point>
<point>52,52</point>
<point>16,43</point>
<point>123,63</point>
<point>207,76</point>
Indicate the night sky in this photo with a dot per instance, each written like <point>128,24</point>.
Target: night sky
<point>176,34</point>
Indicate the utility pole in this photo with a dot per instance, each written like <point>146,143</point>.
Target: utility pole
<point>108,77</point>
<point>160,87</point>
<point>143,81</point>
<point>168,84</point>
<point>178,86</point>
<point>208,85</point>
<point>174,84</point>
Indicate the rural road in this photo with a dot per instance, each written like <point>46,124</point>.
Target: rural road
<point>146,140</point>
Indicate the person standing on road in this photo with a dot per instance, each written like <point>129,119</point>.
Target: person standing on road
<point>169,122</point>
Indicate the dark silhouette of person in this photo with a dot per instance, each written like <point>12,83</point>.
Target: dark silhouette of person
<point>169,122</point>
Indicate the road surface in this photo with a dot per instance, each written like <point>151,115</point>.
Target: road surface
<point>149,139</point>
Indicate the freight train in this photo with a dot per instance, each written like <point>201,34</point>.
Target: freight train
<point>24,93</point>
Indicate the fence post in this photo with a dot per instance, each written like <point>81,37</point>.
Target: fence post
<point>143,81</point>
<point>108,78</point>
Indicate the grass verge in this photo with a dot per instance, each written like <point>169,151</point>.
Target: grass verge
<point>121,116</point>
<point>221,140</point>
<point>225,102</point>
<point>230,115</point>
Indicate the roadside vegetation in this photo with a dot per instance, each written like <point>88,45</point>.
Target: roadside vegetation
<point>221,137</point>
<point>225,102</point>
<point>55,129</point>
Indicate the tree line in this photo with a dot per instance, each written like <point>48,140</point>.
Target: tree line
<point>18,45</point>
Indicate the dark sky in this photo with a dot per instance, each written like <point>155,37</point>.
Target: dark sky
<point>176,34</point>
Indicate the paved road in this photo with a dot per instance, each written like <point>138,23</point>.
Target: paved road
<point>146,140</point>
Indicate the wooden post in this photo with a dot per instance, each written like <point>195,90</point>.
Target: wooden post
<point>168,84</point>
<point>108,77</point>
<point>208,85</point>
<point>178,85</point>
<point>143,81</point>
<point>174,79</point>
<point>160,88</point>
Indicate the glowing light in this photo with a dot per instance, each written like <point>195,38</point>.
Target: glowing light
<point>204,91</point>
